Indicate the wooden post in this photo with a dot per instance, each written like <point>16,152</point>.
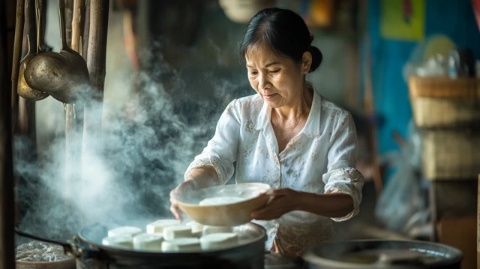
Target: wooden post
<point>74,112</point>
<point>478,222</point>
<point>372,129</point>
<point>86,28</point>
<point>17,51</point>
<point>68,20</point>
<point>96,62</point>
<point>77,25</point>
<point>97,43</point>
<point>25,113</point>
<point>7,204</point>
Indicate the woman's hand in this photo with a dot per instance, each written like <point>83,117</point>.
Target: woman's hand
<point>184,187</point>
<point>281,201</point>
<point>331,205</point>
<point>174,208</point>
<point>200,177</point>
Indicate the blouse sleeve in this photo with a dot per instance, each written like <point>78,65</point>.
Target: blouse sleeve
<point>221,150</point>
<point>342,177</point>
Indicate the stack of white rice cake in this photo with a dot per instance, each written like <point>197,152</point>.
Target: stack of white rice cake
<point>170,235</point>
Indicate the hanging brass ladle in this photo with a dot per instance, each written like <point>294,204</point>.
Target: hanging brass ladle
<point>23,89</point>
<point>64,75</point>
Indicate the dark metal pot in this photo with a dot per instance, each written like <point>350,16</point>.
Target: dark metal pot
<point>359,254</point>
<point>90,253</point>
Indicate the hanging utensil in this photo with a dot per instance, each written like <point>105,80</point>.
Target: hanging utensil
<point>64,75</point>
<point>41,6</point>
<point>17,50</point>
<point>73,27</point>
<point>78,19</point>
<point>23,89</point>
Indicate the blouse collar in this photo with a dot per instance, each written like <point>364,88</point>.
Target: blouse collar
<point>312,126</point>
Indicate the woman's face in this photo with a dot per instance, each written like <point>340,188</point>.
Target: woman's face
<point>278,79</point>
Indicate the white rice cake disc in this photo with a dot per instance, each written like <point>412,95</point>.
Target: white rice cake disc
<point>177,231</point>
<point>125,230</point>
<point>146,241</point>
<point>158,226</point>
<point>218,240</point>
<point>181,244</point>
<point>197,228</point>
<point>207,229</point>
<point>123,241</point>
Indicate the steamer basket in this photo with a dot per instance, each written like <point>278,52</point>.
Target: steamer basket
<point>451,154</point>
<point>444,102</point>
<point>62,260</point>
<point>62,264</point>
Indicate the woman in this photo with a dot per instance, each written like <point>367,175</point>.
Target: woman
<point>286,135</point>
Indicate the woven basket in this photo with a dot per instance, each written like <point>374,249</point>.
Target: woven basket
<point>444,87</point>
<point>444,102</point>
<point>451,154</point>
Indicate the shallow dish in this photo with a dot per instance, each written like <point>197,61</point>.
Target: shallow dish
<point>225,205</point>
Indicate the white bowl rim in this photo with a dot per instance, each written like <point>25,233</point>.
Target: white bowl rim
<point>264,188</point>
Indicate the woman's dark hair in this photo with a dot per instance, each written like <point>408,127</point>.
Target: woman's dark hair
<point>284,31</point>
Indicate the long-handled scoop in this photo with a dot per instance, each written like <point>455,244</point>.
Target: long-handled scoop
<point>64,74</point>
<point>23,89</point>
<point>41,14</point>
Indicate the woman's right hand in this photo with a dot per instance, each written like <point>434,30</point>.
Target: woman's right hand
<point>184,187</point>
<point>174,208</point>
<point>199,177</point>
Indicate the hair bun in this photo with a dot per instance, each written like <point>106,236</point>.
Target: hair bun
<point>317,58</point>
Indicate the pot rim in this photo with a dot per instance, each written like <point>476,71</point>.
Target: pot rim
<point>452,254</point>
<point>92,245</point>
<point>81,245</point>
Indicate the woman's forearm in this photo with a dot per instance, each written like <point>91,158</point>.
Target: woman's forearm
<point>203,176</point>
<point>331,205</point>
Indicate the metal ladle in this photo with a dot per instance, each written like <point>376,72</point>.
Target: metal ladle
<point>23,89</point>
<point>64,75</point>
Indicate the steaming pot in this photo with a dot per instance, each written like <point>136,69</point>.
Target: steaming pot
<point>91,254</point>
<point>387,254</point>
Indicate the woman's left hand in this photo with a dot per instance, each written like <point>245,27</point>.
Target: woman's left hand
<point>281,201</point>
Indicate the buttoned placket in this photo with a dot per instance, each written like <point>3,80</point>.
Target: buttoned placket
<point>271,139</point>
<point>272,148</point>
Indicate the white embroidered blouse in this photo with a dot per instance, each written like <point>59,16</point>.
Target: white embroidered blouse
<point>319,159</point>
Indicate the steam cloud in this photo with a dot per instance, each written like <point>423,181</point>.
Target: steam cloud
<point>125,176</point>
